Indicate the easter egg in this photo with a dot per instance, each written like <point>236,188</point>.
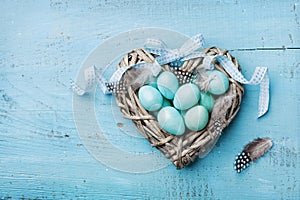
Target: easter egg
<point>165,103</point>
<point>196,118</point>
<point>186,96</point>
<point>207,100</point>
<point>218,83</point>
<point>150,98</point>
<point>167,84</point>
<point>171,121</point>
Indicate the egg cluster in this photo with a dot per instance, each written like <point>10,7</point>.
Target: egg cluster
<point>180,107</point>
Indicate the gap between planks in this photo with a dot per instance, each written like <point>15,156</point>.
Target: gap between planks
<point>283,48</point>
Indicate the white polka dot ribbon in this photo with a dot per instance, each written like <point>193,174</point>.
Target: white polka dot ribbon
<point>89,82</point>
<point>260,76</point>
<point>92,76</point>
<point>186,52</point>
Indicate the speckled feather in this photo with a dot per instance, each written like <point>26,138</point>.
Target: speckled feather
<point>258,147</point>
<point>251,152</point>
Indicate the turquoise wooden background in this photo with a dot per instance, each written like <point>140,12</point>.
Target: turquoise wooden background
<point>42,46</point>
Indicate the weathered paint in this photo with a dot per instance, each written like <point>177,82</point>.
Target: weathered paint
<point>43,43</point>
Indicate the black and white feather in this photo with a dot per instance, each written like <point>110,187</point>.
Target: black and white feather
<point>251,152</point>
<point>183,76</point>
<point>116,87</point>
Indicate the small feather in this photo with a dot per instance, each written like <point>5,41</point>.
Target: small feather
<point>138,77</point>
<point>251,152</point>
<point>258,147</point>
<point>183,76</point>
<point>242,161</point>
<point>218,115</point>
<point>116,87</point>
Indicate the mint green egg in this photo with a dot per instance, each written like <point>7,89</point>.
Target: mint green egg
<point>196,118</point>
<point>165,103</point>
<point>171,121</point>
<point>207,100</point>
<point>167,83</point>
<point>150,98</point>
<point>218,83</point>
<point>186,96</point>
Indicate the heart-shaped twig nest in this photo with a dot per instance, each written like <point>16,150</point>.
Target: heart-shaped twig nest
<point>183,149</point>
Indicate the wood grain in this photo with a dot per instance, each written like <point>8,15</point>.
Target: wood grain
<point>42,45</point>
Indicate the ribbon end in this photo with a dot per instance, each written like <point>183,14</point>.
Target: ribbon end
<point>262,113</point>
<point>76,88</point>
<point>264,95</point>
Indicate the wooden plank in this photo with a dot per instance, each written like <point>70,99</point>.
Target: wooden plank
<point>41,147</point>
<point>42,45</point>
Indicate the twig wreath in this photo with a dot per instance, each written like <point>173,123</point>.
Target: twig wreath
<point>180,100</point>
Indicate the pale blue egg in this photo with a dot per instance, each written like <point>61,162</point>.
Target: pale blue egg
<point>207,100</point>
<point>196,118</point>
<point>186,96</point>
<point>219,82</point>
<point>167,84</point>
<point>171,121</point>
<point>165,103</point>
<point>150,98</point>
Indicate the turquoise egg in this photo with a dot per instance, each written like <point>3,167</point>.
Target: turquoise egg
<point>196,118</point>
<point>165,103</point>
<point>167,84</point>
<point>186,96</point>
<point>150,98</point>
<point>171,121</point>
<point>219,82</point>
<point>207,100</point>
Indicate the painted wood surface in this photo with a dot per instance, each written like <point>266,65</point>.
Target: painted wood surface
<point>44,43</point>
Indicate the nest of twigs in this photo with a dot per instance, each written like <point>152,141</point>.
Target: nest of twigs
<point>181,150</point>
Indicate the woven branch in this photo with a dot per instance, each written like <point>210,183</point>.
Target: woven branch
<point>181,150</point>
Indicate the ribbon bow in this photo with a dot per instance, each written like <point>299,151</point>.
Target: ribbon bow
<point>186,52</point>
<point>171,55</point>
